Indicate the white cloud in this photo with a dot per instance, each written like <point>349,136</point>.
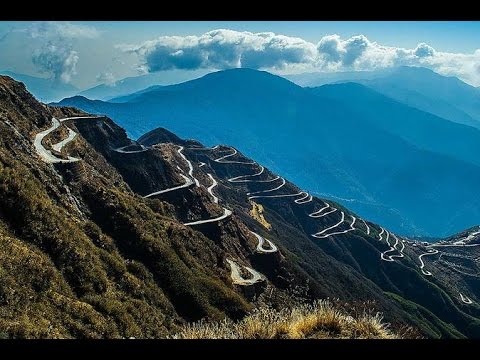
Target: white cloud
<point>55,54</point>
<point>57,59</point>
<point>221,49</point>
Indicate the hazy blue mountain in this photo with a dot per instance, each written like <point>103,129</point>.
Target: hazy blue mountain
<point>43,89</point>
<point>423,129</point>
<point>331,141</point>
<point>313,79</point>
<point>446,97</point>
<point>133,84</point>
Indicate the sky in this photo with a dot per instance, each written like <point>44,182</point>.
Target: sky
<point>85,54</point>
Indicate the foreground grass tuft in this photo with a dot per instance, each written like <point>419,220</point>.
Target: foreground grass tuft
<point>320,320</point>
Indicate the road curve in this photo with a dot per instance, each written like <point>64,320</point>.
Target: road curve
<point>269,190</point>
<point>319,214</point>
<point>59,146</point>
<point>321,234</point>
<point>187,183</point>
<point>422,265</point>
<point>465,299</point>
<point>203,148</point>
<point>222,159</point>
<point>306,199</point>
<point>382,255</point>
<point>210,188</point>
<point>47,155</point>
<point>226,213</point>
<point>237,276</point>
<point>190,166</point>
<point>400,255</point>
<point>122,151</point>
<point>261,241</point>
<point>366,226</point>
<point>243,178</point>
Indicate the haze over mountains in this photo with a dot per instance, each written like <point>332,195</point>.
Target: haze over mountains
<point>408,169</point>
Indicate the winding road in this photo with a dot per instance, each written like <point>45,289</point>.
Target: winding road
<point>306,199</point>
<point>319,214</point>
<point>190,166</point>
<point>366,226</point>
<point>269,190</point>
<point>382,255</point>
<point>400,255</point>
<point>242,178</point>
<point>465,299</point>
<point>210,188</point>
<point>226,213</point>
<point>122,151</point>
<point>261,241</point>
<point>47,155</point>
<point>222,159</point>
<point>59,146</point>
<point>237,277</point>
<point>422,265</point>
<point>188,182</point>
<point>321,234</point>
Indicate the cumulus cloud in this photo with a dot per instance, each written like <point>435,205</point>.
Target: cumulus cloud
<point>222,49</point>
<point>55,54</point>
<point>424,50</point>
<point>56,59</point>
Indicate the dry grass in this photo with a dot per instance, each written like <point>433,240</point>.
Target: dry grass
<point>257,213</point>
<point>320,320</point>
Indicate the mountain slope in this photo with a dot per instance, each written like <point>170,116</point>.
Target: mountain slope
<point>105,237</point>
<point>324,144</point>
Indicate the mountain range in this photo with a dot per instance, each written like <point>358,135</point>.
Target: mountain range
<point>104,236</point>
<point>345,141</point>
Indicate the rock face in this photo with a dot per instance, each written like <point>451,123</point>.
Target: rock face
<point>85,252</point>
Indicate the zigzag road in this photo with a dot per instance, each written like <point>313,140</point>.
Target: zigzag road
<point>261,241</point>
<point>47,155</point>
<point>422,265</point>
<point>239,279</point>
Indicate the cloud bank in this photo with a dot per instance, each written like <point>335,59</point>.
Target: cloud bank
<point>55,54</point>
<point>222,49</point>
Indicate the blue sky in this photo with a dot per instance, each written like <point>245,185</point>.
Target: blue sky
<point>87,53</point>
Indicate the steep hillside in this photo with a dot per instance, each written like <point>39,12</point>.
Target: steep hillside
<point>345,142</point>
<point>102,236</point>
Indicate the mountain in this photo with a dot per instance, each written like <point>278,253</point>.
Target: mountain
<point>43,89</point>
<point>105,237</point>
<point>346,142</point>
<point>133,84</point>
<point>422,88</point>
<point>314,79</point>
